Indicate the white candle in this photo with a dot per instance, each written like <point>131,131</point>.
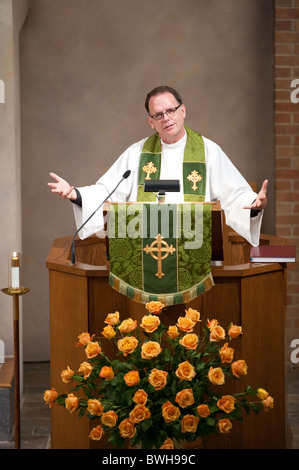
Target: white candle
<point>15,271</point>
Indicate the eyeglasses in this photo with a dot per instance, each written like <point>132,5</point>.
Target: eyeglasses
<point>170,112</point>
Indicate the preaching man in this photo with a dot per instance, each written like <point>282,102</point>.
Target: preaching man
<point>173,152</point>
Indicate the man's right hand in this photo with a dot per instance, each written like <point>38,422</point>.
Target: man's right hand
<point>62,188</point>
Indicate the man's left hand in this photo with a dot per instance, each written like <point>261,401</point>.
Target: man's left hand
<point>261,199</point>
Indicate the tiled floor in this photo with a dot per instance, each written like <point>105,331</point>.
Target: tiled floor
<point>35,416</point>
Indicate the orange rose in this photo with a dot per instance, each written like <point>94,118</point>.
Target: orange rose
<point>216,376</point>
<point>150,323</point>
<point>193,314</point>
<point>150,349</point>
<point>226,354</point>
<point>108,332</point>
<point>217,333</point>
<point>127,345</point>
<point>86,368</point>
<point>189,341</point>
<point>224,425</point>
<point>226,403</point>
<point>170,412</point>
<point>139,413</point>
<point>112,318</point>
<point>189,423</point>
<point>106,373</point>
<point>93,349</point>
<point>132,378</point>
<point>67,375</point>
<point>167,444</point>
<point>234,331</point>
<point>268,403</point>
<point>185,324</point>
<point>127,429</point>
<point>173,332</point>
<point>154,307</point>
<point>239,368</point>
<point>212,323</point>
<point>158,379</point>
<point>140,397</point>
<point>127,326</point>
<point>203,411</point>
<point>94,407</point>
<point>84,339</point>
<point>185,397</point>
<point>50,396</point>
<point>109,419</point>
<point>71,402</point>
<point>96,433</point>
<point>185,371</point>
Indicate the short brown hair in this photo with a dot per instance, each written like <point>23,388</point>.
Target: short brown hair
<point>158,91</point>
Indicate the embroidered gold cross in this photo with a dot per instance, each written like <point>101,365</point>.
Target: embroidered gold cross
<point>161,247</point>
<point>194,177</point>
<point>148,169</point>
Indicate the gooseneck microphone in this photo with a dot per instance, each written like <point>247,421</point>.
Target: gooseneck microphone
<point>125,176</point>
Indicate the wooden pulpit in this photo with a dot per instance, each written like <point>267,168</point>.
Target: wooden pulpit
<point>247,294</point>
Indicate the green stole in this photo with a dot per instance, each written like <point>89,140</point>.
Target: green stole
<point>153,249</point>
<point>194,168</point>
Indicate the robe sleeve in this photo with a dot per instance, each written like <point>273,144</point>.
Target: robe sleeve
<point>226,184</point>
<point>93,195</point>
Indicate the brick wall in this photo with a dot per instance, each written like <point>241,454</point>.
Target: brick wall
<point>286,69</point>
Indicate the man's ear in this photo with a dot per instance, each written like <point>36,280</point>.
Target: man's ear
<point>150,123</point>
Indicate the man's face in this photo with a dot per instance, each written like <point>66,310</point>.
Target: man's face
<point>170,129</point>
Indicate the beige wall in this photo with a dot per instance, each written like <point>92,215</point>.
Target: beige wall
<point>12,15</point>
<point>86,67</point>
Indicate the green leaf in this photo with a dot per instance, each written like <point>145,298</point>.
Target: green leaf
<point>78,378</point>
<point>255,407</point>
<point>167,354</point>
<point>146,424</point>
<point>210,421</point>
<point>87,392</point>
<point>60,399</point>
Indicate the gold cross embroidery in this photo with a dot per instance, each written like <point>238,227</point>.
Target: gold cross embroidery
<point>166,249</point>
<point>194,177</point>
<point>148,169</point>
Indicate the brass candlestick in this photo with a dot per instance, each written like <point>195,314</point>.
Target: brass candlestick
<point>15,293</point>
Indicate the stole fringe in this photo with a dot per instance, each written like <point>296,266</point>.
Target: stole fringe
<point>168,299</point>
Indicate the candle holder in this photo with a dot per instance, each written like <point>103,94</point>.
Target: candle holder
<point>15,290</point>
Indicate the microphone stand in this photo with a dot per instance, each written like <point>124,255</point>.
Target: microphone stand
<point>73,259</point>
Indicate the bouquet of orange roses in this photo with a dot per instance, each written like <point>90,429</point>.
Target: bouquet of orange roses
<point>159,389</point>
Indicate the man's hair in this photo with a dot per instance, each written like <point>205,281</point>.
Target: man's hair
<point>158,91</point>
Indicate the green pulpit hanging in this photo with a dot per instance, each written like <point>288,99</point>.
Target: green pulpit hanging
<point>160,251</point>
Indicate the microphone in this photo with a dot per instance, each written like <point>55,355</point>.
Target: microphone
<point>125,176</point>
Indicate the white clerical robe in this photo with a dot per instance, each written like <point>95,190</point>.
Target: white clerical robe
<point>223,182</point>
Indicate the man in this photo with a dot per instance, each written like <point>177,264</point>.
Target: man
<point>170,145</point>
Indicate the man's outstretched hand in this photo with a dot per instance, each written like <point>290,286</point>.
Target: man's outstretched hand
<point>261,199</point>
<point>62,188</point>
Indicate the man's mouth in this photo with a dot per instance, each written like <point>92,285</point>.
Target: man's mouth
<point>168,127</point>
